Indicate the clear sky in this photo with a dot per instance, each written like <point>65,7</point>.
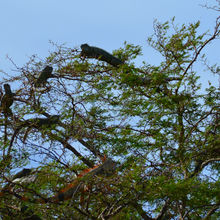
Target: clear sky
<point>26,26</point>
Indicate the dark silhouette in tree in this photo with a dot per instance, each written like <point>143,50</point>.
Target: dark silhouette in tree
<point>7,100</point>
<point>47,122</point>
<point>22,173</point>
<point>44,76</point>
<point>16,178</point>
<point>38,123</point>
<point>100,54</point>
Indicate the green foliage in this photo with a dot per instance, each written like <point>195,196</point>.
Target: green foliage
<point>155,121</point>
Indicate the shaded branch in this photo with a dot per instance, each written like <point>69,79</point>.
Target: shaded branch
<point>201,165</point>
<point>212,211</point>
<point>72,149</point>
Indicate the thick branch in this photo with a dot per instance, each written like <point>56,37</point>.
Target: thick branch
<point>72,149</point>
<point>212,211</point>
<point>201,165</point>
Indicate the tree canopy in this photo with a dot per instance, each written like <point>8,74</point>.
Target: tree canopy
<point>96,140</point>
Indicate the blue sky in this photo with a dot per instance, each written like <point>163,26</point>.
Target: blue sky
<point>27,25</point>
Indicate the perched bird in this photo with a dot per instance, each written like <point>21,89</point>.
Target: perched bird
<point>44,76</point>
<point>47,122</point>
<point>23,176</point>
<point>7,99</point>
<point>100,54</point>
<point>23,173</point>
<point>38,123</point>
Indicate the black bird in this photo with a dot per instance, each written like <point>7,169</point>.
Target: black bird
<point>18,178</point>
<point>7,100</point>
<point>44,76</point>
<point>38,123</point>
<point>22,173</point>
<point>100,54</point>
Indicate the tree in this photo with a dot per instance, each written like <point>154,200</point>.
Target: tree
<point>115,141</point>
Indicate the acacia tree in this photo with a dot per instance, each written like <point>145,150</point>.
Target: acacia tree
<point>105,141</point>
